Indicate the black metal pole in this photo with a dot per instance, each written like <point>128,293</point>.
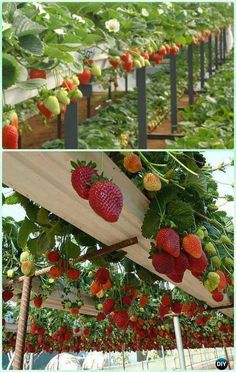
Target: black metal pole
<point>173,88</point>
<point>59,123</point>
<point>221,47</point>
<point>88,107</point>
<point>224,44</point>
<point>71,126</point>
<point>142,109</point>
<point>109,91</point>
<point>210,55</point>
<point>216,51</point>
<point>126,83</point>
<point>190,75</point>
<point>202,67</point>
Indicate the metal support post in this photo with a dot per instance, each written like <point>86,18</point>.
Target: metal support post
<point>164,357</point>
<point>59,125</point>
<point>190,75</point>
<point>123,356</point>
<point>179,342</point>
<point>22,324</point>
<point>202,67</point>
<point>216,52</point>
<point>221,46</point>
<point>126,83</point>
<point>71,126</point>
<point>190,359</point>
<point>87,92</point>
<point>173,87</point>
<point>210,55</point>
<point>109,91</point>
<point>226,355</point>
<point>224,44</point>
<point>142,107</point>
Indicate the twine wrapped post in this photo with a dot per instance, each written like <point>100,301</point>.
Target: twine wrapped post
<point>22,324</point>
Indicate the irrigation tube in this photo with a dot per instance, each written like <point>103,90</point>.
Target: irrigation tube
<point>179,342</point>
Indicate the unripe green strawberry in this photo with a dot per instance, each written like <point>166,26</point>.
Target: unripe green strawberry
<point>137,63</point>
<point>52,104</point>
<point>28,268</point>
<point>228,262</point>
<point>147,63</point>
<point>209,248</point>
<point>67,305</point>
<point>24,256</point>
<point>216,262</point>
<point>142,61</point>
<point>225,240</point>
<point>62,97</point>
<point>151,182</point>
<point>100,306</point>
<point>10,273</point>
<point>200,234</point>
<point>213,278</point>
<point>75,94</point>
<point>75,80</point>
<point>96,70</point>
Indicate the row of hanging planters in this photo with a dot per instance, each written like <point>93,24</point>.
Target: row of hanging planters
<point>39,39</point>
<point>186,232</point>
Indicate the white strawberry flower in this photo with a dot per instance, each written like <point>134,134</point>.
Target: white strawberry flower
<point>60,31</point>
<point>78,18</point>
<point>144,12</point>
<point>112,25</point>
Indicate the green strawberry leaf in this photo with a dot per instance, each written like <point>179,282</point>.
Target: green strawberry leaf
<point>181,214</point>
<point>70,249</point>
<point>151,223</point>
<point>25,230</point>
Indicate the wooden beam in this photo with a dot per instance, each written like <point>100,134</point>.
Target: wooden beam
<point>24,173</point>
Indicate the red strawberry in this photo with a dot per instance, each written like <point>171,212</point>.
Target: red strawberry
<point>176,307</point>
<point>121,318</point>
<point>108,305</point>
<point>55,272</point>
<point>223,282</point>
<point>217,296</point>
<point>126,300</point>
<point>198,265</point>
<point>165,300</point>
<point>47,113</point>
<point>181,263</point>
<point>163,263</point>
<point>86,331</point>
<point>168,240</point>
<point>85,76</point>
<point>192,245</point>
<point>7,294</point>
<point>80,179</point>
<point>106,199</point>
<point>128,66</point>
<point>9,137</point>
<point>38,301</point>
<point>69,84</point>
<point>74,310</point>
<point>37,74</point>
<point>102,275</point>
<point>73,274</point>
<point>143,301</point>
<point>176,277</point>
<point>53,256</point>
<point>100,316</point>
<point>114,61</point>
<point>163,310</point>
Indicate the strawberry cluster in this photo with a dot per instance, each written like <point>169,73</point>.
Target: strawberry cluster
<point>104,196</point>
<point>61,267</point>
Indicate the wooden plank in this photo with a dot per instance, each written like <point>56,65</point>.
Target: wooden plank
<point>55,298</point>
<point>45,178</point>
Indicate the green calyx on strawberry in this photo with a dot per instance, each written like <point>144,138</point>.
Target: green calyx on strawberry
<point>52,104</point>
<point>62,96</point>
